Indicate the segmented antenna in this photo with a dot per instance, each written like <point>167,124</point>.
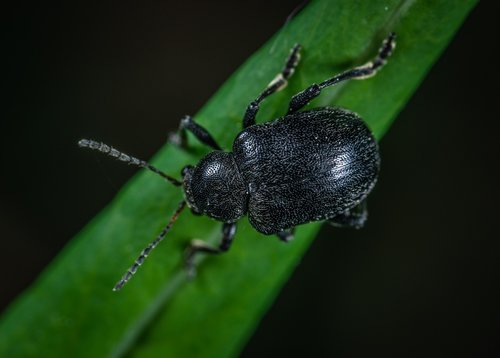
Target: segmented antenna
<point>144,253</point>
<point>112,152</point>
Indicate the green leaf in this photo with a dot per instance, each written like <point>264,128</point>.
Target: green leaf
<point>71,311</point>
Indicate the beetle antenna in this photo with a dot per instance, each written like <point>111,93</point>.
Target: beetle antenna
<point>112,152</point>
<point>144,253</point>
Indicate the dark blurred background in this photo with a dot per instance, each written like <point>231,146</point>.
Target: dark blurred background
<point>420,280</point>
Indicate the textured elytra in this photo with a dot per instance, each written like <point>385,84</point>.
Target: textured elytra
<point>309,166</point>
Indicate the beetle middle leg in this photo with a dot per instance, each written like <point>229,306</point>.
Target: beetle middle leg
<point>197,246</point>
<point>353,218</point>
<point>277,84</point>
<point>301,99</point>
<point>188,124</point>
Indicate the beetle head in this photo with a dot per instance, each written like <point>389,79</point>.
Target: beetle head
<point>215,188</point>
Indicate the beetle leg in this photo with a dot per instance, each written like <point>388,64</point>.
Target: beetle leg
<point>277,84</point>
<point>196,246</point>
<point>286,235</point>
<point>188,124</point>
<point>369,69</point>
<point>353,218</point>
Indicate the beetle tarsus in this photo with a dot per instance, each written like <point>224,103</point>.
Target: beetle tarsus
<point>286,235</point>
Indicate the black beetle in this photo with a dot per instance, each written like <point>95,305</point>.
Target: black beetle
<point>318,164</point>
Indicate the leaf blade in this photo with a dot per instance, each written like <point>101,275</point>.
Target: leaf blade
<point>72,302</point>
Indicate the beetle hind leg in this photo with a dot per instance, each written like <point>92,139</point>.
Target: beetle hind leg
<point>352,218</point>
<point>198,246</point>
<point>277,84</point>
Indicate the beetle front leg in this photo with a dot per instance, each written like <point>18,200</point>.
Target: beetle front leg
<point>188,124</point>
<point>277,84</point>
<point>197,246</point>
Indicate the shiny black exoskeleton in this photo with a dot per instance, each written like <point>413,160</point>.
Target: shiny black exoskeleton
<point>311,165</point>
<point>307,166</point>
